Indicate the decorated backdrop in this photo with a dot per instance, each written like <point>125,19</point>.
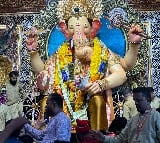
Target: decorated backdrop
<point>145,73</point>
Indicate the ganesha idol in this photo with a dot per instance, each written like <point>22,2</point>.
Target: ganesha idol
<point>83,69</point>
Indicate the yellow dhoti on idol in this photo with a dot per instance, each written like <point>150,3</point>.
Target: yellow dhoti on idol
<point>98,115</point>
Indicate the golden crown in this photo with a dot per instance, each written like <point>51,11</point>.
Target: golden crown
<point>88,8</point>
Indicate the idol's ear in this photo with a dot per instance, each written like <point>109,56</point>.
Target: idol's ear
<point>63,27</point>
<point>96,25</point>
<point>56,38</point>
<point>113,38</point>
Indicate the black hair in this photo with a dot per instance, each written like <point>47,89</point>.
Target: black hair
<point>55,97</point>
<point>13,73</point>
<point>127,90</point>
<point>26,139</point>
<point>117,125</point>
<point>150,89</point>
<point>158,109</point>
<point>145,92</point>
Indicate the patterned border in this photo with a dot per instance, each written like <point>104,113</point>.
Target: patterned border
<point>26,75</point>
<point>154,19</point>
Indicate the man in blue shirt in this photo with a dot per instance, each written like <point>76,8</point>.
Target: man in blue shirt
<point>58,128</point>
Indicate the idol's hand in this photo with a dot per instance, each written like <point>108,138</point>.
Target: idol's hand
<point>134,32</point>
<point>43,81</point>
<point>92,88</point>
<point>84,53</point>
<point>32,39</point>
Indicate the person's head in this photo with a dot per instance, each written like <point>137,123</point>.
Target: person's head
<point>13,75</point>
<point>142,98</point>
<point>54,104</point>
<point>151,90</point>
<point>158,109</point>
<point>26,139</point>
<point>117,125</point>
<point>127,92</point>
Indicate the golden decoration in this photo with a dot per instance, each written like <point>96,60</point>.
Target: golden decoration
<point>88,8</point>
<point>5,69</point>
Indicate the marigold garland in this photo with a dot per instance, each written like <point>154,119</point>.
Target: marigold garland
<point>65,58</point>
<point>98,56</point>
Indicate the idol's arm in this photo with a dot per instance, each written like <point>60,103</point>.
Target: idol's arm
<point>36,62</point>
<point>32,46</point>
<point>134,40</point>
<point>117,77</point>
<point>129,60</point>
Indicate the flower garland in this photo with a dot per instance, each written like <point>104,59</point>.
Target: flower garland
<point>63,73</point>
<point>98,61</point>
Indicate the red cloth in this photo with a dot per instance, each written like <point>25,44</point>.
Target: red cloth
<point>82,126</point>
<point>82,130</point>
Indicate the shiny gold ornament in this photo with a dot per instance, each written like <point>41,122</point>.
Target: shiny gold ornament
<point>5,69</point>
<point>88,8</point>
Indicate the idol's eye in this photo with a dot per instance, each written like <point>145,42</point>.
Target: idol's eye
<point>70,26</point>
<point>76,10</point>
<point>85,25</point>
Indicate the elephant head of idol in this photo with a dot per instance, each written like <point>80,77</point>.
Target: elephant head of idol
<point>79,21</point>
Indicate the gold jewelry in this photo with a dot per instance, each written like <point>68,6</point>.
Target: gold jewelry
<point>81,43</point>
<point>113,60</point>
<point>69,8</point>
<point>103,84</point>
<point>33,52</point>
<point>135,43</point>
